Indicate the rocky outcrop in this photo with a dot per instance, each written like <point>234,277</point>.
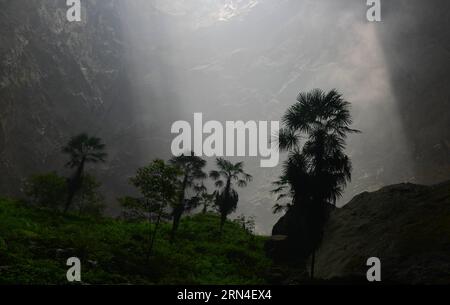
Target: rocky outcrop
<point>406,226</point>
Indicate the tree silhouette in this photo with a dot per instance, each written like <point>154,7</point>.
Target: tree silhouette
<point>159,185</point>
<point>225,177</point>
<point>191,168</point>
<point>82,149</point>
<point>317,169</point>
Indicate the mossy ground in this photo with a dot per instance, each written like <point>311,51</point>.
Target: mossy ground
<point>36,243</point>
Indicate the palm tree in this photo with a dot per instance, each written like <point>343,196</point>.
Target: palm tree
<point>317,170</point>
<point>225,177</point>
<point>82,149</point>
<point>191,167</point>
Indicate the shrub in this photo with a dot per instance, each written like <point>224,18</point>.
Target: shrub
<point>50,191</point>
<point>89,200</point>
<point>46,190</point>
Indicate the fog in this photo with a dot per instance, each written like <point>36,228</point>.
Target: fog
<point>251,66</point>
<point>248,60</point>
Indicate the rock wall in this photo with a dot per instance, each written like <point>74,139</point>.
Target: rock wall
<point>406,226</point>
<point>58,79</point>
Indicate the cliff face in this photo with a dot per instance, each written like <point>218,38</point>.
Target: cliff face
<point>415,39</point>
<point>58,79</point>
<point>406,226</point>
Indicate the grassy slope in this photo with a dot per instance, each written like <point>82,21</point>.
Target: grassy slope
<point>35,244</point>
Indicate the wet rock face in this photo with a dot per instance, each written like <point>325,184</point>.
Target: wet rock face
<point>415,38</point>
<point>58,79</point>
<point>406,226</point>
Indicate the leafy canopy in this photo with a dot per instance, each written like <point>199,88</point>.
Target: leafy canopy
<point>83,148</point>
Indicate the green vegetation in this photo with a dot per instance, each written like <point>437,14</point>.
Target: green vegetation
<point>46,190</point>
<point>160,189</point>
<point>191,170</point>
<point>50,191</point>
<point>36,237</point>
<point>36,242</point>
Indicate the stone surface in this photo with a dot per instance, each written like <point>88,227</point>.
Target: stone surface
<point>407,226</point>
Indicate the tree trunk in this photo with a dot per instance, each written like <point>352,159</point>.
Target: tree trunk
<point>69,199</point>
<point>313,261</point>
<point>176,223</point>
<point>223,218</point>
<point>74,185</point>
<point>223,213</point>
<point>152,241</point>
<point>178,210</point>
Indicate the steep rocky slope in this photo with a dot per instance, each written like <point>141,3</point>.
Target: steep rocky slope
<point>407,226</point>
<point>57,79</point>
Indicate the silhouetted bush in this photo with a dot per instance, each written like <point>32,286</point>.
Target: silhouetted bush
<point>46,190</point>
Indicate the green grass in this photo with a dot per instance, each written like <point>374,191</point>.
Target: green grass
<point>36,243</point>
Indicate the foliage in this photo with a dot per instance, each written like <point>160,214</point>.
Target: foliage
<point>247,223</point>
<point>158,182</point>
<point>50,191</point>
<point>46,190</point>
<point>83,148</point>
<point>206,200</point>
<point>135,209</point>
<point>191,170</point>
<point>112,251</point>
<point>160,188</point>
<point>89,200</point>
